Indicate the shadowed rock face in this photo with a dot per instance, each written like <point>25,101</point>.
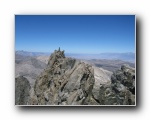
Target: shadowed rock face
<point>121,90</point>
<point>67,81</point>
<point>22,91</point>
<point>123,83</point>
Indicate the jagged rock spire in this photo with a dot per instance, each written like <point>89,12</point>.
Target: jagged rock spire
<point>58,54</point>
<point>65,81</point>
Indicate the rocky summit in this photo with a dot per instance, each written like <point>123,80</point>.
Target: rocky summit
<point>67,81</point>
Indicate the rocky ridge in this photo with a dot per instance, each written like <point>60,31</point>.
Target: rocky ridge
<point>67,81</point>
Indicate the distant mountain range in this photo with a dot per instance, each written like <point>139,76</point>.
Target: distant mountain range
<point>26,53</point>
<point>130,57</point>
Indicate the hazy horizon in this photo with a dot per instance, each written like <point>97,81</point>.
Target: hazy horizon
<point>75,53</point>
<point>87,34</point>
<point>114,56</point>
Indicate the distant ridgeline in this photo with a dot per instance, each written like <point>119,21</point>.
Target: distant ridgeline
<point>26,53</point>
<point>130,57</point>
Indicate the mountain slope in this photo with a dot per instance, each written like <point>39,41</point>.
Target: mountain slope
<point>110,65</point>
<point>29,67</point>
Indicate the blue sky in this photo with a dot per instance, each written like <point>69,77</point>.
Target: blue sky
<point>75,33</point>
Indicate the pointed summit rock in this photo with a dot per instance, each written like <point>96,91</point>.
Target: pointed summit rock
<point>57,55</point>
